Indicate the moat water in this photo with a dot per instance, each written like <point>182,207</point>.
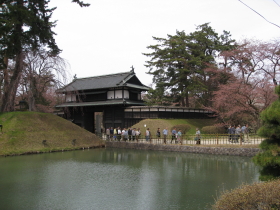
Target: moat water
<point>119,179</point>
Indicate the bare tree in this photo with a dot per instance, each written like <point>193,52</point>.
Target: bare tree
<point>42,73</point>
<point>271,59</point>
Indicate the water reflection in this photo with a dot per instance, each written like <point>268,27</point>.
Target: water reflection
<point>119,179</point>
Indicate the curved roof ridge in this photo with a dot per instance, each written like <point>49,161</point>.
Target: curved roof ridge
<point>106,75</point>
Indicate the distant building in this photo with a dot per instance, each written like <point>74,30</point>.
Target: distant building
<point>114,100</point>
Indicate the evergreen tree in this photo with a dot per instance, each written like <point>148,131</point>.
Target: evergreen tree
<point>269,158</point>
<point>157,96</point>
<point>24,24</point>
<point>178,62</point>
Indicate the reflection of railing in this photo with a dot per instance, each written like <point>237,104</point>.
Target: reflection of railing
<point>206,139</point>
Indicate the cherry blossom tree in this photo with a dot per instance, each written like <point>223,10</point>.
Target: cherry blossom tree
<point>254,69</point>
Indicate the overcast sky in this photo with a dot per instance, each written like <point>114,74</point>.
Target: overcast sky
<point>111,35</point>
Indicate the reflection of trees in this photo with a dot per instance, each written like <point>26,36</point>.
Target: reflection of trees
<point>159,178</point>
<point>192,164</point>
<point>167,163</point>
<point>187,173</point>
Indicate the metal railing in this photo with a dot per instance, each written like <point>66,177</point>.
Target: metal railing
<point>205,139</point>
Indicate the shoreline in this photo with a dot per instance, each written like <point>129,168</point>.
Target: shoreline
<point>201,149</point>
<point>185,148</point>
<point>53,150</point>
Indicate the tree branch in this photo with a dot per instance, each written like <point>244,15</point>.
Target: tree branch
<point>81,3</point>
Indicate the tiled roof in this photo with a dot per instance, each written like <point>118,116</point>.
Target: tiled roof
<point>103,82</point>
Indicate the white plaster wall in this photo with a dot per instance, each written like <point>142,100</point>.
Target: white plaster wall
<point>70,97</point>
<point>118,94</point>
<point>110,95</point>
<point>126,94</point>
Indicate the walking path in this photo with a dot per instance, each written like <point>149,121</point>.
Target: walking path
<point>212,140</point>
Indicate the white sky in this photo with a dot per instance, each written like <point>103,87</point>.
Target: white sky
<point>111,35</point>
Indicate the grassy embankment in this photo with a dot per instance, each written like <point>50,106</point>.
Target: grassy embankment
<point>24,132</point>
<point>154,124</point>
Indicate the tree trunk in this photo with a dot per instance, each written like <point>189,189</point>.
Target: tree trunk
<point>274,82</point>
<point>5,78</point>
<point>31,93</point>
<point>31,103</point>
<point>187,100</point>
<point>183,101</point>
<point>9,94</point>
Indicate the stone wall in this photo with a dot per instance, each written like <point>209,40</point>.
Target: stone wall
<point>183,148</point>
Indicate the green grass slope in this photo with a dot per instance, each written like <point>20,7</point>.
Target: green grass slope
<point>153,124</point>
<point>24,132</point>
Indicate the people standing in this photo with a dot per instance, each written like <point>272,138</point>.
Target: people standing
<point>124,134</point>
<point>133,134</point>
<point>242,136</point>
<point>237,133</point>
<point>111,133</point>
<point>107,134</point>
<point>179,136</point>
<point>229,133</point>
<point>197,136</point>
<point>115,134</point>
<point>119,133</point>
<point>246,134</point>
<point>158,134</point>
<point>137,134</point>
<point>173,132</point>
<point>129,132</point>
<point>232,134</point>
<point>148,134</point>
<point>165,133</point>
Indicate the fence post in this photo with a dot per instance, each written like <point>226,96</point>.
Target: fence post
<point>217,138</point>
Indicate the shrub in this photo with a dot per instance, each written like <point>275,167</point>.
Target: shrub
<point>269,158</point>
<point>256,196</point>
<point>184,128</point>
<point>212,130</point>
